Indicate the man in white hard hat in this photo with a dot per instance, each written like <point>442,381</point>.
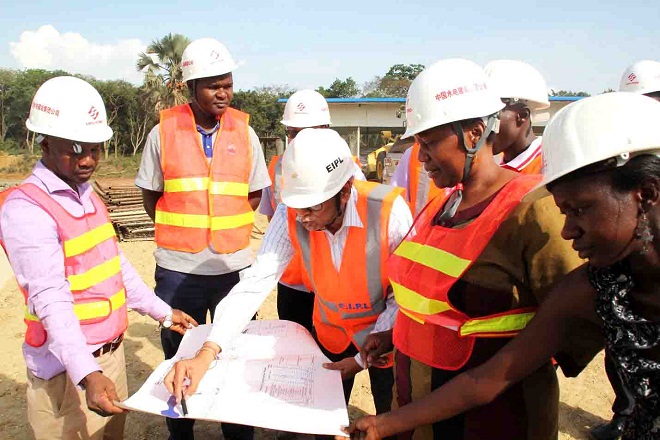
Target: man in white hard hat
<point>202,173</point>
<point>522,88</point>
<point>343,231</point>
<point>643,78</point>
<point>304,109</point>
<point>76,283</point>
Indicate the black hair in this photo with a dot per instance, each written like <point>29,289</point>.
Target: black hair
<point>635,172</point>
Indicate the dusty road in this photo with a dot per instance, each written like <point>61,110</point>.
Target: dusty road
<point>585,401</point>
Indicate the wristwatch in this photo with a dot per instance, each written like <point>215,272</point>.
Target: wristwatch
<point>167,321</point>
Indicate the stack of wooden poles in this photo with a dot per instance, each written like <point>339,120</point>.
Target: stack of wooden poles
<point>124,203</point>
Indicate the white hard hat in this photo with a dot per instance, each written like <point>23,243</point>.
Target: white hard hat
<point>448,91</point>
<point>69,108</point>
<point>315,167</point>
<point>611,125</point>
<point>205,58</point>
<point>642,77</point>
<point>306,108</point>
<point>512,79</point>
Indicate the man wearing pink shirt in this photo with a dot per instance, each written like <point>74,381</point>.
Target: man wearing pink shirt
<point>76,283</point>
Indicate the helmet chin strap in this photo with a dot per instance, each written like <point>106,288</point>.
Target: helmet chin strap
<point>457,196</point>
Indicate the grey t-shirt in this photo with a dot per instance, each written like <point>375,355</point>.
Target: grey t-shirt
<point>206,262</point>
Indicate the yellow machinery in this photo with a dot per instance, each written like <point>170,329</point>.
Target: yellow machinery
<point>375,166</point>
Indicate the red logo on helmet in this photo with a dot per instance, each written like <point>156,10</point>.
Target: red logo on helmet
<point>187,63</point>
<point>93,112</point>
<point>301,106</point>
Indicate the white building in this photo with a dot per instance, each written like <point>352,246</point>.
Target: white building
<point>365,118</point>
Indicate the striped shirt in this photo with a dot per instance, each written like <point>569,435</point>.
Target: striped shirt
<point>235,311</point>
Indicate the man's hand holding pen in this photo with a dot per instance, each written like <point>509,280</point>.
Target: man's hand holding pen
<point>191,369</point>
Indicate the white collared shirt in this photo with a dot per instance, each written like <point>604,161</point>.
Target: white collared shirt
<point>234,312</point>
<point>519,162</point>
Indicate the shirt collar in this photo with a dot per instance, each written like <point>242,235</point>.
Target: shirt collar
<point>210,132</point>
<point>351,215</point>
<point>53,184</point>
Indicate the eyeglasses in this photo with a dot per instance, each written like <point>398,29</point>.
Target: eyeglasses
<point>314,208</point>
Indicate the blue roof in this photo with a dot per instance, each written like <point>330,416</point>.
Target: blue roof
<point>403,100</point>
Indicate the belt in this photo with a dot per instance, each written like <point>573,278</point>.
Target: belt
<point>109,347</point>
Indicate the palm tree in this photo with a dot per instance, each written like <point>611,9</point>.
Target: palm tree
<point>161,64</point>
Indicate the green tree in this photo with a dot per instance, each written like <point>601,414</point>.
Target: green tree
<point>347,88</point>
<point>7,78</point>
<point>568,93</point>
<point>395,83</point>
<point>119,96</point>
<point>265,112</point>
<point>18,96</point>
<point>161,64</point>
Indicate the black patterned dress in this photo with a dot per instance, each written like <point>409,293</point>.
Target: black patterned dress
<point>627,336</point>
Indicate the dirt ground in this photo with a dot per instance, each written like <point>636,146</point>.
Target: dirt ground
<point>585,401</point>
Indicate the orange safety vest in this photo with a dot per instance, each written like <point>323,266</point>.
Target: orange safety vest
<point>348,301</point>
<point>426,265</point>
<point>92,268</point>
<point>534,166</point>
<point>422,189</point>
<point>204,205</point>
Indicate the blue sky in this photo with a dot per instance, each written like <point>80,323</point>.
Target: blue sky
<point>576,45</point>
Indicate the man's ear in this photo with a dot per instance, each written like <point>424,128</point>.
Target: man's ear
<point>523,115</point>
<point>475,132</point>
<point>345,191</point>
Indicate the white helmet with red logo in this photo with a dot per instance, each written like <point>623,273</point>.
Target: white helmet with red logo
<point>305,109</point>
<point>642,77</point>
<point>608,126</point>
<point>315,167</point>
<point>449,91</point>
<point>205,58</point>
<point>516,80</point>
<point>69,108</point>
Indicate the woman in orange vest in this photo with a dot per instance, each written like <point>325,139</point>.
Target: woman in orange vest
<point>475,265</point>
<point>603,170</point>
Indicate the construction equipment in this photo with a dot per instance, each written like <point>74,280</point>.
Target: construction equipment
<point>375,166</point>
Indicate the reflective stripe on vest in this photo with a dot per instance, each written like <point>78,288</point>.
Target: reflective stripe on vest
<point>92,267</point>
<point>92,310</point>
<point>202,184</point>
<point>422,188</point>
<point>204,205</point>
<point>496,326</point>
<point>348,313</point>
<point>426,265</point>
